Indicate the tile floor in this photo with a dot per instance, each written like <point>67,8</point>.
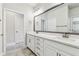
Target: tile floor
<point>20,52</point>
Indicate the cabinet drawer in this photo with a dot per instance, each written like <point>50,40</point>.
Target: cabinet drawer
<point>30,36</point>
<point>39,39</point>
<point>39,42</point>
<point>65,48</point>
<point>38,48</point>
<point>39,51</point>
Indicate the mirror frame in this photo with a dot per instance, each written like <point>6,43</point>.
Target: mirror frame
<point>73,33</point>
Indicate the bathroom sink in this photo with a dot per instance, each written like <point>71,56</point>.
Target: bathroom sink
<point>69,39</point>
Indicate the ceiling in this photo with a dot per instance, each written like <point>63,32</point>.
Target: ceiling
<point>71,5</point>
<point>32,4</point>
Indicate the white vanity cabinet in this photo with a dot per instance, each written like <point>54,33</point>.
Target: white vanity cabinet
<point>61,48</point>
<point>30,42</point>
<point>39,46</point>
<point>45,47</point>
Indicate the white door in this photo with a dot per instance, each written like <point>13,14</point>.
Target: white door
<point>10,28</point>
<point>14,28</point>
<point>19,28</point>
<point>0,30</point>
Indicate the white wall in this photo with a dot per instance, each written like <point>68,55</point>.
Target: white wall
<point>24,9</point>
<point>43,6</point>
<point>74,11</point>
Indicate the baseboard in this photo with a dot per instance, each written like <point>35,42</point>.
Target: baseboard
<point>3,54</point>
<point>31,51</point>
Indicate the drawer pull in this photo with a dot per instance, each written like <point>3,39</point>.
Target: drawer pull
<point>38,48</point>
<point>57,54</point>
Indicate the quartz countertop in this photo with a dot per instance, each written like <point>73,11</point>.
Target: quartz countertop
<point>74,42</point>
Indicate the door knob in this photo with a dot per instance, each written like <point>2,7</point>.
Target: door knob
<point>1,34</point>
<point>0,20</point>
<point>16,31</point>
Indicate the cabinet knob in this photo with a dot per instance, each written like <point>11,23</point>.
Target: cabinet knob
<point>0,20</point>
<point>59,54</point>
<point>38,48</point>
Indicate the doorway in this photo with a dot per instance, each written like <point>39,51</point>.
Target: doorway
<point>14,30</point>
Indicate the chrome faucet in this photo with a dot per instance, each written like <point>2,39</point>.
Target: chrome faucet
<point>65,35</point>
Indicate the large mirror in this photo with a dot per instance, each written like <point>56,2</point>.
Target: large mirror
<point>62,18</point>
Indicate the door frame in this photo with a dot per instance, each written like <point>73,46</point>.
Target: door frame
<point>4,27</point>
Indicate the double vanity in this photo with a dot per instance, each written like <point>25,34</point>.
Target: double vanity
<point>60,19</point>
<point>51,45</point>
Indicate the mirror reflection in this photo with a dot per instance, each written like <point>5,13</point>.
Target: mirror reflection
<point>63,18</point>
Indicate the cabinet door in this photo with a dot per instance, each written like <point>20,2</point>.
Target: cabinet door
<point>48,50</point>
<point>35,50</point>
<point>28,41</point>
<point>54,46</point>
<point>32,43</point>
